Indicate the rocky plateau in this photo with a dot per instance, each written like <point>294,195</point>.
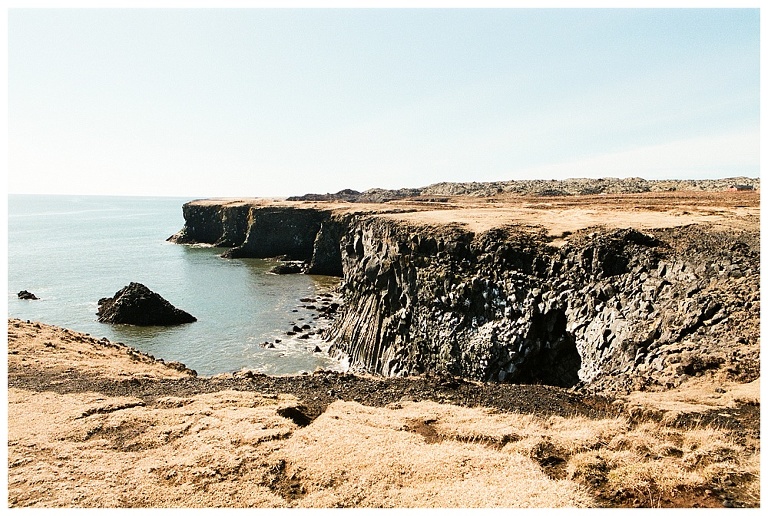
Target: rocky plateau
<point>604,291</point>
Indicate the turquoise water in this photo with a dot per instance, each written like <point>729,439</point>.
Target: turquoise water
<point>71,251</point>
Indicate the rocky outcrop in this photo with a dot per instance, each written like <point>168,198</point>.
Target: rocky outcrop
<point>326,250</point>
<point>608,308</point>
<point>540,187</point>
<point>586,186</point>
<point>372,195</point>
<point>288,268</point>
<point>27,295</point>
<point>136,304</point>
<point>280,231</point>
<point>253,231</point>
<point>222,224</point>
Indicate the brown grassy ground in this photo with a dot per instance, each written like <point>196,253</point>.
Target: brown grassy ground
<point>94,424</point>
<point>557,215</point>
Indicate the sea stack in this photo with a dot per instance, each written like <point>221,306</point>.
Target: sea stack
<point>26,295</point>
<point>136,304</point>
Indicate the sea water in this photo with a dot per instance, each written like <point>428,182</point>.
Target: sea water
<point>71,251</point>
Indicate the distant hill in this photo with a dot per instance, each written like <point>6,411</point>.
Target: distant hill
<point>540,187</point>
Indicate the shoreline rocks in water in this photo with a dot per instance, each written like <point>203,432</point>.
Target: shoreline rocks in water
<point>27,295</point>
<point>138,305</point>
<point>289,267</point>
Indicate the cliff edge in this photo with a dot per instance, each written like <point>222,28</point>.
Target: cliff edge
<point>614,292</point>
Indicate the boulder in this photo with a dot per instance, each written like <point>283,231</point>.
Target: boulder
<point>288,268</point>
<point>136,304</point>
<point>26,295</point>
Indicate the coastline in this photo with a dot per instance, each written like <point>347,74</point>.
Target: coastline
<point>616,292</point>
<point>663,418</point>
<point>122,240</point>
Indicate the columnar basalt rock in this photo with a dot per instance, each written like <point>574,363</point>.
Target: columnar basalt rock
<point>605,309</point>
<point>280,231</point>
<point>253,231</point>
<point>326,252</point>
<point>222,224</point>
<point>610,308</point>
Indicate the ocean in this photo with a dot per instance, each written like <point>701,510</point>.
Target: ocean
<point>71,251</point>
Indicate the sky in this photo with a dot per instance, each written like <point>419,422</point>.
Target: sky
<point>277,102</point>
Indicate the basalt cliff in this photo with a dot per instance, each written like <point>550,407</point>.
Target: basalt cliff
<point>612,292</point>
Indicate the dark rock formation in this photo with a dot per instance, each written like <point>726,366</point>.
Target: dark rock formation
<point>136,304</point>
<point>613,309</point>
<point>26,295</point>
<point>274,231</point>
<point>372,195</point>
<point>346,195</point>
<point>288,268</point>
<point>608,309</point>
<point>221,225</point>
<point>259,232</point>
<point>326,252</point>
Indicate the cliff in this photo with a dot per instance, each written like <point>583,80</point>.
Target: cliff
<point>249,231</point>
<point>608,292</point>
<point>616,309</point>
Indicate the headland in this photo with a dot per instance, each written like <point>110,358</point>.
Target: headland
<point>586,343</point>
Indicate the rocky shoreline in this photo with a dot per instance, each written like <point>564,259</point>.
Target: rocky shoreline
<point>507,351</point>
<point>611,293</point>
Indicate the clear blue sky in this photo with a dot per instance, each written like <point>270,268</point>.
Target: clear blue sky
<point>264,102</point>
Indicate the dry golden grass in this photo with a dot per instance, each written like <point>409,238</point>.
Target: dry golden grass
<point>88,450</point>
<point>357,456</point>
<point>695,396</point>
<point>56,351</point>
<point>234,449</point>
<point>650,460</point>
